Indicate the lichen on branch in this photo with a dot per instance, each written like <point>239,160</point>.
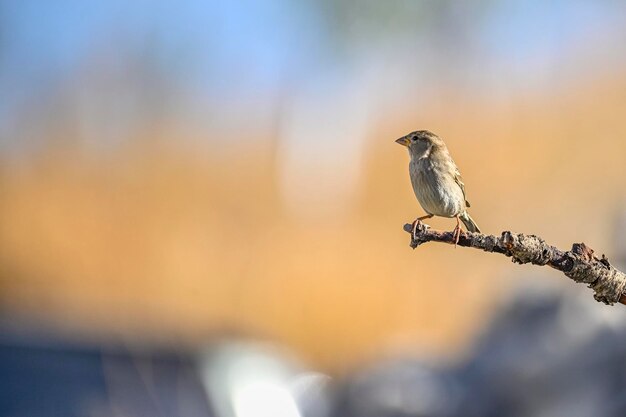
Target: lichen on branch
<point>579,264</point>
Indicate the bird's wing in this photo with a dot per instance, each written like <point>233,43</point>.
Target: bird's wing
<point>459,180</point>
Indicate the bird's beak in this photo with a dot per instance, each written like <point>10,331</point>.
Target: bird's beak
<point>404,141</point>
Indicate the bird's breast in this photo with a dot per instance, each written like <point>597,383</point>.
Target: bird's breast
<point>435,188</point>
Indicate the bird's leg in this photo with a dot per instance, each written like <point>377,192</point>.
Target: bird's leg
<point>457,231</point>
<point>414,225</point>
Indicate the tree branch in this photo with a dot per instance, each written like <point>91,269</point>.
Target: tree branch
<point>579,263</point>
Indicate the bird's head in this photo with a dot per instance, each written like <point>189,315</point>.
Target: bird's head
<point>420,142</point>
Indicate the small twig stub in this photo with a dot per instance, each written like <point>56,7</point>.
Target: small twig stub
<point>579,263</point>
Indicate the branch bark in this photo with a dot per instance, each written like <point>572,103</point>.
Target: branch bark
<point>579,264</point>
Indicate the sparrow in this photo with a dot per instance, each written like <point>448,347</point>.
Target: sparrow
<point>436,181</point>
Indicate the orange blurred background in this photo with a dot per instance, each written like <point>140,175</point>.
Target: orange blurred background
<point>139,206</point>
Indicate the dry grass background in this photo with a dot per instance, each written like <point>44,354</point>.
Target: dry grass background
<point>161,243</point>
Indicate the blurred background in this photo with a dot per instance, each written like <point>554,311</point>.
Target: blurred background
<point>179,177</point>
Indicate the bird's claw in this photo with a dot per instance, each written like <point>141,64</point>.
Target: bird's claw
<point>456,234</point>
<point>418,227</point>
<point>414,229</point>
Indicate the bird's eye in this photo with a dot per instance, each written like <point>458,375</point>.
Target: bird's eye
<point>414,139</point>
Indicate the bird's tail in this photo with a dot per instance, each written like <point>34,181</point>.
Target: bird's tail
<point>469,223</point>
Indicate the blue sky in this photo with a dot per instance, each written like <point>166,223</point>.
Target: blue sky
<point>224,47</point>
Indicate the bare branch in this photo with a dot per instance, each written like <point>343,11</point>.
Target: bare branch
<point>579,263</point>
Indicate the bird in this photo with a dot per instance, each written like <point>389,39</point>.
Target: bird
<point>436,180</point>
